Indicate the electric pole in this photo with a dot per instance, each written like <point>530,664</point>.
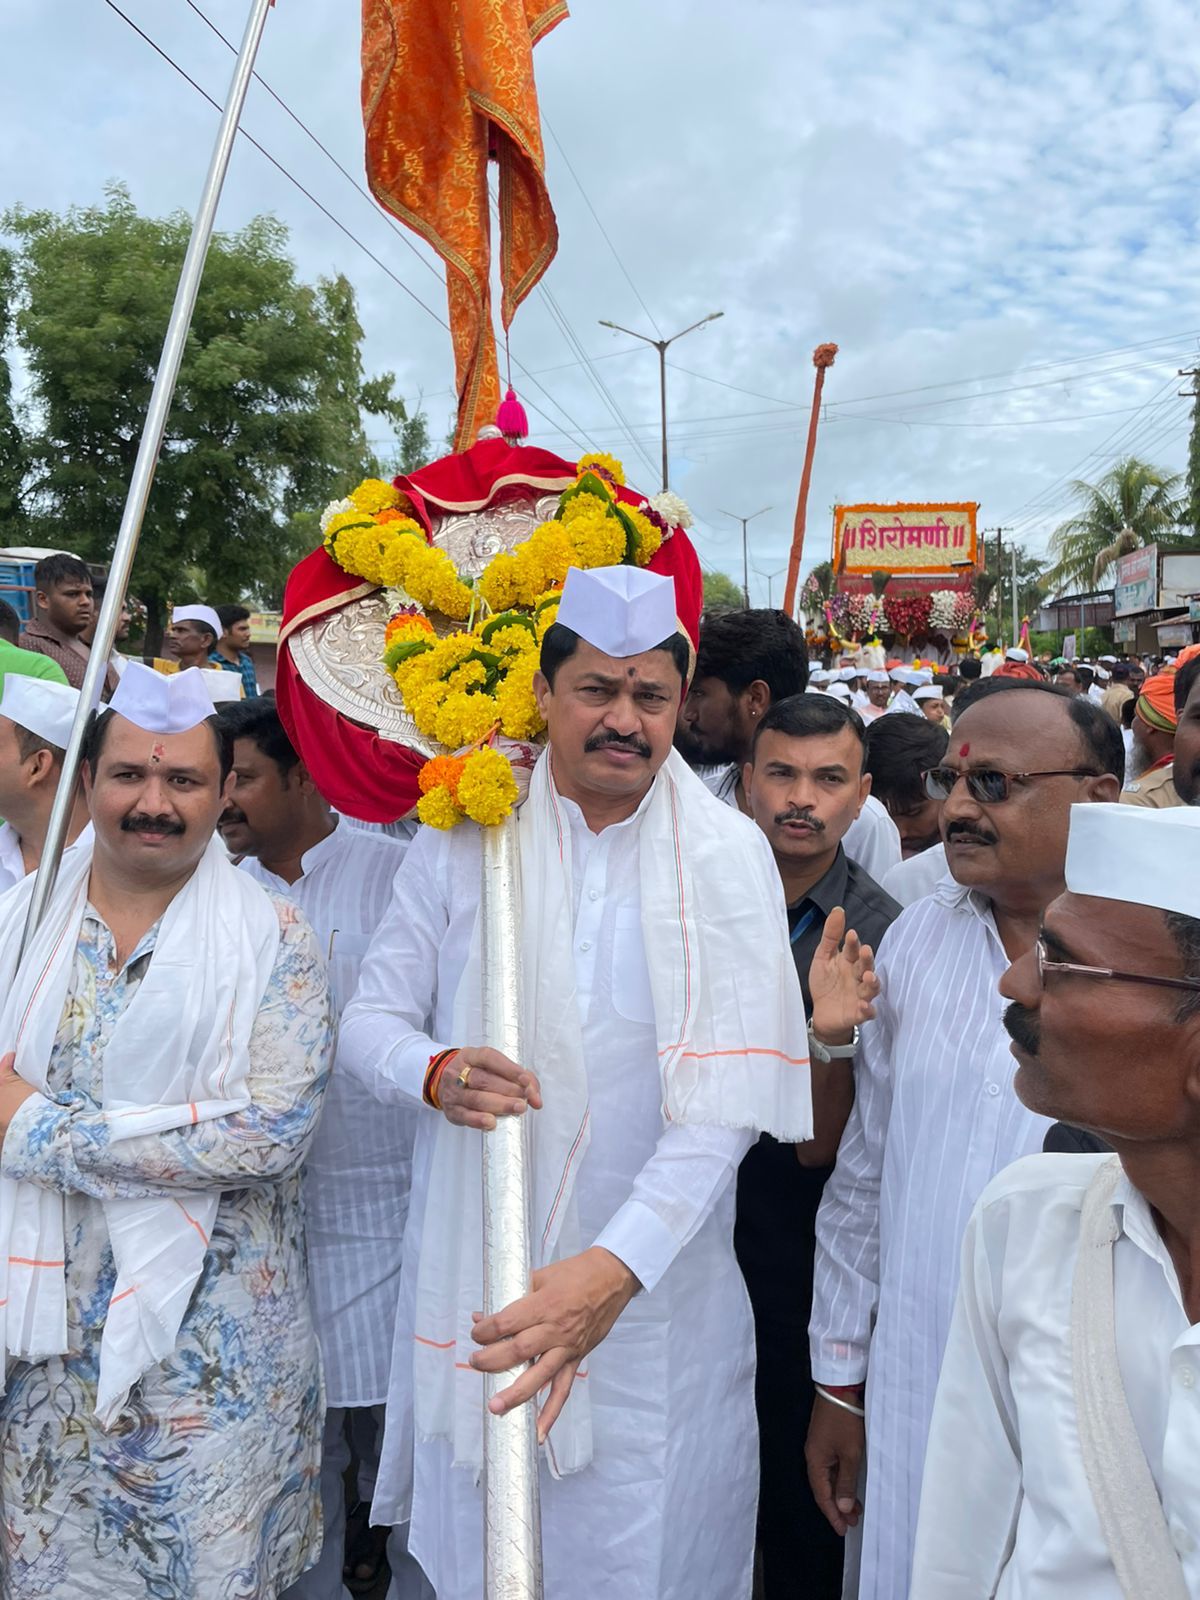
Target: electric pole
<point>999,532</point>
<point>745,547</point>
<point>661,346</point>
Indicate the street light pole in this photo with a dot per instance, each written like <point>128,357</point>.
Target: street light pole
<point>770,577</point>
<point>661,346</point>
<point>745,547</point>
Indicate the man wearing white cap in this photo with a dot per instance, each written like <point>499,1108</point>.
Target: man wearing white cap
<point>1062,1457</point>
<point>35,723</point>
<point>664,1019</point>
<point>930,700</point>
<point>877,694</point>
<point>934,1116</point>
<point>906,679</point>
<point>193,634</point>
<point>168,1033</point>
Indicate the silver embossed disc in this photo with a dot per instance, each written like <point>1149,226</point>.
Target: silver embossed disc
<point>340,655</point>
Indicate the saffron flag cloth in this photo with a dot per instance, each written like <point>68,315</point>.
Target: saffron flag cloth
<point>358,772</point>
<point>446,84</point>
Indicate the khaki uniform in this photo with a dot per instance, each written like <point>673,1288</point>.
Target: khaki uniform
<point>1156,788</point>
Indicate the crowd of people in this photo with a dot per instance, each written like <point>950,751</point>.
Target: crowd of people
<point>861,1076</point>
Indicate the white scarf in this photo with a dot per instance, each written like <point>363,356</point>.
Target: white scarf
<point>732,1048</point>
<point>179,1054</point>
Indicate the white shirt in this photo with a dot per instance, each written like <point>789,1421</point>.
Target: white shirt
<point>12,862</point>
<point>356,1179</point>
<point>872,839</point>
<point>934,1119</point>
<point>667,1506</point>
<point>916,876</point>
<point>1006,1510</point>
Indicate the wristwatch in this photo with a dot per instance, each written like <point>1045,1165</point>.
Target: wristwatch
<point>831,1052</point>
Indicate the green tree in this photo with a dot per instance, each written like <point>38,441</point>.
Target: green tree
<point>721,593</point>
<point>267,420</point>
<point>1133,504</point>
<point>13,461</point>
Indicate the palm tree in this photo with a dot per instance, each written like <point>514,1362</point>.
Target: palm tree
<point>1132,505</point>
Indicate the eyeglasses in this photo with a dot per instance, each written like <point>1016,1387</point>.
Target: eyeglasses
<point>987,785</point>
<point>1045,965</point>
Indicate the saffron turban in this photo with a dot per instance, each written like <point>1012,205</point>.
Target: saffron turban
<point>1156,703</point>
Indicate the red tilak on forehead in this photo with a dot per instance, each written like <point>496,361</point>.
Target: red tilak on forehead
<point>964,750</point>
<point>157,752</point>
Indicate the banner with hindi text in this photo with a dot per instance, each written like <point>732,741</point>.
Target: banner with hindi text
<point>905,538</point>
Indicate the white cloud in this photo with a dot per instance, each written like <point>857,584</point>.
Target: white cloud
<point>952,191</point>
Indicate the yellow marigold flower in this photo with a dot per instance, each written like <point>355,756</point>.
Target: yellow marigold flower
<point>346,519</point>
<point>604,465</point>
<point>513,639</point>
<point>425,707</point>
<point>497,582</point>
<point>438,810</point>
<point>487,789</point>
<point>516,702</point>
<point>373,496</point>
<point>464,719</point>
<point>546,620</point>
<point>467,676</point>
<point>599,544</point>
<point>406,625</point>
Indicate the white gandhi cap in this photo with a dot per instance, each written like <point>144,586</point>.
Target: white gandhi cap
<point>840,691</point>
<point>622,611</point>
<point>1144,856</point>
<point>162,702</point>
<point>1015,653</point>
<point>204,614</point>
<point>45,708</point>
<point>221,685</point>
<point>929,691</point>
<point>878,676</point>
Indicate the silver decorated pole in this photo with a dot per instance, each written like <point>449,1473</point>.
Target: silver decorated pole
<point>153,431</point>
<point>512,1511</point>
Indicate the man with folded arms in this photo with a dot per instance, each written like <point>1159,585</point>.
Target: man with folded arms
<point>165,1040</point>
<point>935,1116</point>
<point>1154,720</point>
<point>664,1030</point>
<point>35,723</point>
<point>1062,1455</point>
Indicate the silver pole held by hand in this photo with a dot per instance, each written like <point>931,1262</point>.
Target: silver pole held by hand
<point>512,1509</point>
<point>153,432</point>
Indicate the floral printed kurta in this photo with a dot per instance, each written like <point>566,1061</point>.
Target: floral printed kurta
<point>206,1488</point>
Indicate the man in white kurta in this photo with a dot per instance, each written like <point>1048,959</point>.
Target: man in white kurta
<point>935,1116</point>
<point>35,723</point>
<point>1062,1454</point>
<point>356,1178</point>
<point>663,1499</point>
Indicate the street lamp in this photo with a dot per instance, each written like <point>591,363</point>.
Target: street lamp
<point>770,577</point>
<point>661,346</point>
<point>745,549</point>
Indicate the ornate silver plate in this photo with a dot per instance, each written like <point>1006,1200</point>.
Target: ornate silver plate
<point>339,656</point>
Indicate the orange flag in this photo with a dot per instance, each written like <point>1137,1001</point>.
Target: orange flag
<point>445,84</point>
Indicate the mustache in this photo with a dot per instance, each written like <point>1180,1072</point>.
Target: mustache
<point>230,817</point>
<point>795,815</point>
<point>139,822</point>
<point>967,830</point>
<point>623,741</point>
<point>1023,1027</point>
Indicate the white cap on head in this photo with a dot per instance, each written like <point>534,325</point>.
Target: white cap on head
<point>45,708</point>
<point>814,688</point>
<point>924,674</point>
<point>162,702</point>
<point>928,691</point>
<point>878,676</point>
<point>907,676</point>
<point>1015,653</point>
<point>1101,674</point>
<point>622,611</point>
<point>204,614</point>
<point>1144,855</point>
<point>898,674</point>
<point>840,691</point>
<point>221,685</point>
<point>1110,659</point>
<point>848,674</point>
<point>820,676</point>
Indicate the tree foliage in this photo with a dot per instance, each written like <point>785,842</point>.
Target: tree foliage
<point>267,420</point>
<point>721,593</point>
<point>1133,504</point>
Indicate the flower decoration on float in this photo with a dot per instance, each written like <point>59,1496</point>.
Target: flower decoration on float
<point>471,686</point>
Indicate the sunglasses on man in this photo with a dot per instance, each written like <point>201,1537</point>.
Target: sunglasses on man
<point>988,785</point>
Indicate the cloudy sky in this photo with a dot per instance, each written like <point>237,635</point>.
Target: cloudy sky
<point>988,204</point>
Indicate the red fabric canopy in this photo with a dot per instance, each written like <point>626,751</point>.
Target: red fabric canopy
<point>357,771</point>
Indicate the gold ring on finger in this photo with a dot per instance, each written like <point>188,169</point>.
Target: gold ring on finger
<point>464,1077</point>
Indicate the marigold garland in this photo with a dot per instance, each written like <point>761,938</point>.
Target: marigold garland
<point>464,689</point>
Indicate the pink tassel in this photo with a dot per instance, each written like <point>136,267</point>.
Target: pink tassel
<point>511,418</point>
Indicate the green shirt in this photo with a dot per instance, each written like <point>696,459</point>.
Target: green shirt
<point>28,664</point>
